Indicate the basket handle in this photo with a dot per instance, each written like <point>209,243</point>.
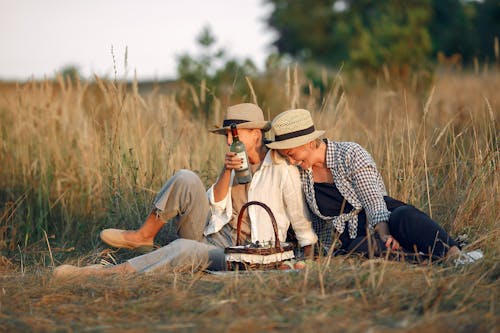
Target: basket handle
<point>277,243</point>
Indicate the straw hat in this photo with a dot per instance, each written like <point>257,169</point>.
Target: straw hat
<point>246,115</point>
<point>293,128</point>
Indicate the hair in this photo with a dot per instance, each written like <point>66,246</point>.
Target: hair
<point>318,142</point>
<point>277,158</point>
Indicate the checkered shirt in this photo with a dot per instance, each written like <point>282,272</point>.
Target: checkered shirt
<point>356,176</point>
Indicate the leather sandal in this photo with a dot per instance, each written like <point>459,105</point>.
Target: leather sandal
<point>115,238</point>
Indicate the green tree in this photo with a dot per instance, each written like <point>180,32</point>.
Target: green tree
<point>212,64</point>
<point>213,71</point>
<point>487,23</point>
<point>362,33</point>
<point>389,33</point>
<point>194,69</point>
<point>70,72</point>
<point>306,30</point>
<point>451,28</point>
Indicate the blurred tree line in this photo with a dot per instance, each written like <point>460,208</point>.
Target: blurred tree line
<point>397,37</point>
<point>212,63</point>
<point>369,34</point>
<point>211,72</point>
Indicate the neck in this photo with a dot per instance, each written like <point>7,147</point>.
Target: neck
<point>257,155</point>
<point>319,156</point>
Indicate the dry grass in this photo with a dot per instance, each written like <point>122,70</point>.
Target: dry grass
<point>76,157</point>
<point>345,295</point>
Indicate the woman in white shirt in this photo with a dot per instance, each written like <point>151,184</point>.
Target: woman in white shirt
<point>206,221</point>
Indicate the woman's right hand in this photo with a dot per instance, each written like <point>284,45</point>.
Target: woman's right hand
<point>383,231</point>
<point>390,242</point>
<point>232,161</point>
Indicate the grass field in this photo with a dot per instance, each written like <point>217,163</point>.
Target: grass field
<point>76,157</point>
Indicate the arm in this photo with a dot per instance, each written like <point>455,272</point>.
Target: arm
<point>296,210</point>
<point>366,182</point>
<point>221,187</point>
<point>219,198</point>
<point>383,230</point>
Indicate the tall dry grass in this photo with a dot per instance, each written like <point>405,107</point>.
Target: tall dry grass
<point>79,156</point>
<point>76,157</point>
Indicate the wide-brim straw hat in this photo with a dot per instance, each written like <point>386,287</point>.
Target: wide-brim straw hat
<point>245,115</point>
<point>293,128</point>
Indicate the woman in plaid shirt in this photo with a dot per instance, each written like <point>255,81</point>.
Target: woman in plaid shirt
<point>348,198</point>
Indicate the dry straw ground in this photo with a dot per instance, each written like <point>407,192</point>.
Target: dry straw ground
<point>76,157</point>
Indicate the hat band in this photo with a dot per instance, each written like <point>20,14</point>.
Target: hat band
<point>295,134</point>
<point>228,122</point>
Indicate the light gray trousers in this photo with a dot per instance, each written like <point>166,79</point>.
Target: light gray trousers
<point>183,200</point>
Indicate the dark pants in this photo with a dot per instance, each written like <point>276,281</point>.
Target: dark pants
<point>415,231</point>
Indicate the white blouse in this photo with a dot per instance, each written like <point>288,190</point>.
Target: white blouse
<point>276,184</point>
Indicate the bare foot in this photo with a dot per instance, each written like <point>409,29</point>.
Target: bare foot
<point>92,270</point>
<point>453,252</point>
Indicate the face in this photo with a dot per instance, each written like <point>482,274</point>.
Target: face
<point>251,138</point>
<point>300,156</point>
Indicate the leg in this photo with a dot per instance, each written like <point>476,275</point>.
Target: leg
<point>184,254</point>
<point>415,230</point>
<point>181,254</point>
<point>92,270</point>
<point>183,198</point>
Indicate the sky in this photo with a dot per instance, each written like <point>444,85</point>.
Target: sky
<point>40,37</point>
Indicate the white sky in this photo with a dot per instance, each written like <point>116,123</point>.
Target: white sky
<point>39,37</point>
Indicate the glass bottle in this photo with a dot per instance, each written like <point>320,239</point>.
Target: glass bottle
<point>243,174</point>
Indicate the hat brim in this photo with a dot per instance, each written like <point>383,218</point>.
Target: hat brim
<point>295,142</point>
<point>262,125</point>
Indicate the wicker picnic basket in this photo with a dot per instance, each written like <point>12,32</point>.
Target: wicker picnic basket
<point>257,256</point>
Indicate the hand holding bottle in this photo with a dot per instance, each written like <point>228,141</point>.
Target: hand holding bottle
<point>242,169</point>
<point>232,161</point>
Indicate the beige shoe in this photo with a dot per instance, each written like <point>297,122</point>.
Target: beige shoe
<point>114,237</point>
<point>72,271</point>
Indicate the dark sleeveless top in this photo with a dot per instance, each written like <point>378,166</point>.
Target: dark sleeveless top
<point>329,201</point>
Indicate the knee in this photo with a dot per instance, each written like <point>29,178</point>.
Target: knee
<point>187,247</point>
<point>399,218</point>
<point>187,177</point>
<point>184,174</point>
<point>401,214</point>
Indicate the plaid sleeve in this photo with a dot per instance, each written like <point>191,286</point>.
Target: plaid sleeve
<point>366,181</point>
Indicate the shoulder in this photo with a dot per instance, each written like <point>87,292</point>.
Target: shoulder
<point>276,163</point>
<point>343,150</point>
<point>274,158</point>
<point>343,146</point>
<point>348,149</point>
<point>348,154</point>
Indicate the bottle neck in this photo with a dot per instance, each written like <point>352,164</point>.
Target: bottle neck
<point>234,133</point>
